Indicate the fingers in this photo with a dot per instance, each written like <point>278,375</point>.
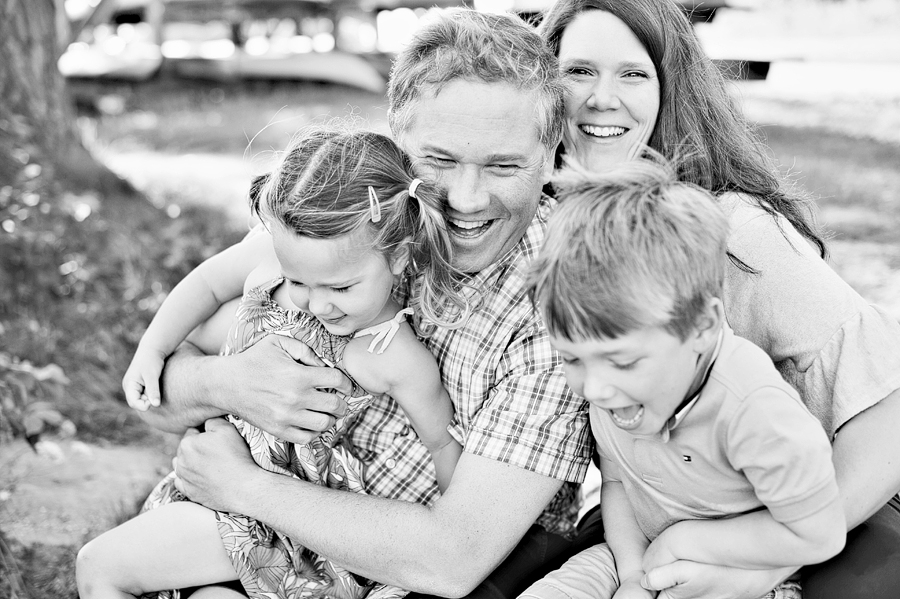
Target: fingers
<point>134,394</point>
<point>664,577</point>
<point>299,351</point>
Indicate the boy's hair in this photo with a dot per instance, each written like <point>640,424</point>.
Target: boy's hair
<point>321,190</point>
<point>463,44</point>
<point>628,249</point>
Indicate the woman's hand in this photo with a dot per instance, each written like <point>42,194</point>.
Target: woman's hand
<point>630,588</point>
<point>692,580</point>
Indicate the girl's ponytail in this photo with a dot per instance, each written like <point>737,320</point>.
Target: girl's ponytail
<point>438,293</point>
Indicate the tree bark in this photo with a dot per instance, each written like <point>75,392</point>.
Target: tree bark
<point>37,116</point>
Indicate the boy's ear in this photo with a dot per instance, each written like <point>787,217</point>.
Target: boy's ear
<point>400,259</point>
<point>709,323</point>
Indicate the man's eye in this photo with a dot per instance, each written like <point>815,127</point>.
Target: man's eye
<point>441,162</point>
<point>504,169</point>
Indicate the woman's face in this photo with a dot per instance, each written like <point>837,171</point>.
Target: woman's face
<point>614,98</point>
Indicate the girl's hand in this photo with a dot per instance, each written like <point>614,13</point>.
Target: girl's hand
<point>141,380</point>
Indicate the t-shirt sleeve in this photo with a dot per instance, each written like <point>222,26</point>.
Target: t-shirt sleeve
<point>531,418</point>
<point>840,353</point>
<point>783,452</point>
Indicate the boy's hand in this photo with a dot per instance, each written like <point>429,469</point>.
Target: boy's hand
<point>631,588</point>
<point>659,553</point>
<point>141,380</point>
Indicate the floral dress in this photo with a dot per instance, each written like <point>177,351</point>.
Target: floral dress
<point>270,564</point>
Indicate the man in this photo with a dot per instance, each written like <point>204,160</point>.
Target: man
<point>477,102</point>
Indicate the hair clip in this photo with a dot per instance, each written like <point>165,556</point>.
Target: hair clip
<point>413,186</point>
<point>374,206</point>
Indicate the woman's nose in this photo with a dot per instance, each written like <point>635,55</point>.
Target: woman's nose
<point>604,95</point>
<point>466,191</point>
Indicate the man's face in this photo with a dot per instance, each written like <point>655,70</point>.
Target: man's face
<point>479,142</point>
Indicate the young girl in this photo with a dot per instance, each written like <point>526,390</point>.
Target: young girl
<point>348,221</point>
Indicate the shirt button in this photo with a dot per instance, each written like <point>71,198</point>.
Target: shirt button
<point>391,463</point>
<point>405,430</point>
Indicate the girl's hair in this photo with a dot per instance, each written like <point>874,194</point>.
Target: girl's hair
<point>321,189</point>
<point>629,248</point>
<point>699,123</point>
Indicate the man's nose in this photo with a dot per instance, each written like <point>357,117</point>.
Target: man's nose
<point>466,191</point>
<point>604,95</point>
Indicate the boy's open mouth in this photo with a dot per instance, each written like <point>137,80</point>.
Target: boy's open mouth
<point>627,417</point>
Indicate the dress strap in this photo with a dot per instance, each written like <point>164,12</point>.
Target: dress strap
<point>385,331</point>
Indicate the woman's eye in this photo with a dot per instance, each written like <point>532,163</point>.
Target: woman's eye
<point>577,71</point>
<point>636,75</point>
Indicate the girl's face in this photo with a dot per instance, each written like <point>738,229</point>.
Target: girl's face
<point>614,99</point>
<point>341,281</point>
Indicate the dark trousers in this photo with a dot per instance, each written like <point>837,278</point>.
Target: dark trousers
<point>869,565</point>
<point>867,568</point>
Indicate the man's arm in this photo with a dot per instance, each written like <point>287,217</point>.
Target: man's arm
<point>446,549</point>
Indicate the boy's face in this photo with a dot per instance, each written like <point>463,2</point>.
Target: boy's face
<point>638,379</point>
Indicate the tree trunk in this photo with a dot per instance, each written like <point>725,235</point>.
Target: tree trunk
<point>36,115</point>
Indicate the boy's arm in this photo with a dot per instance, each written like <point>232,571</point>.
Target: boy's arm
<point>408,372</point>
<point>624,536</point>
<point>784,453</point>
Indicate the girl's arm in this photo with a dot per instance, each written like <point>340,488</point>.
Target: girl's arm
<point>196,298</point>
<point>409,373</point>
<point>624,536</point>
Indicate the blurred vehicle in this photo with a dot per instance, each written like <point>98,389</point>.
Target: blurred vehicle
<point>341,41</point>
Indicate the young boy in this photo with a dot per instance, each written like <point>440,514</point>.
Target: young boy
<point>706,453</point>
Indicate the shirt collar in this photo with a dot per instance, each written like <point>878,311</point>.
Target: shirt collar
<point>682,412</point>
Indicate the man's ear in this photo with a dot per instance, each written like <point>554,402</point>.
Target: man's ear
<point>547,167</point>
<point>400,259</point>
<point>708,325</point>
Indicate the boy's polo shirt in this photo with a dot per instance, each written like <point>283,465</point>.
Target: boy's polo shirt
<point>747,442</point>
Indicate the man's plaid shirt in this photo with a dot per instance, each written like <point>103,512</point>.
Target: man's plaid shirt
<point>507,385</point>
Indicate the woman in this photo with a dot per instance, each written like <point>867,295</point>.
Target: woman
<point>639,77</point>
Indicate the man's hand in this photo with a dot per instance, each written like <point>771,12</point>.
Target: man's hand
<point>692,580</point>
<point>214,468</point>
<point>282,387</point>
